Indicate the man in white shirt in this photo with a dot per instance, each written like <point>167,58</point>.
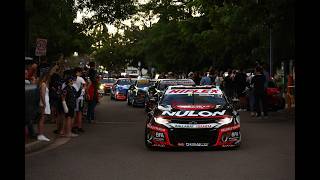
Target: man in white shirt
<point>80,85</point>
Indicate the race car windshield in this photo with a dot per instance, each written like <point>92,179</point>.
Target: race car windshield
<point>170,99</point>
<point>163,86</point>
<point>124,82</point>
<point>143,85</point>
<point>108,81</point>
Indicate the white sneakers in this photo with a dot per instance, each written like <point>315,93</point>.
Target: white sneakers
<point>41,137</point>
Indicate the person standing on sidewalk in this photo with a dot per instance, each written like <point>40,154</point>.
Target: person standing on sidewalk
<point>69,96</point>
<point>218,80</point>
<point>266,74</point>
<point>55,92</point>
<point>240,81</point>
<point>251,94</point>
<point>92,98</point>
<point>26,80</point>
<point>32,72</point>
<point>80,86</point>
<point>43,67</point>
<point>92,92</point>
<point>258,82</point>
<point>205,80</point>
<point>227,84</point>
<point>44,106</point>
<point>290,85</point>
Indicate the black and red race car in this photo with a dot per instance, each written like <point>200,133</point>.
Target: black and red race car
<point>193,116</point>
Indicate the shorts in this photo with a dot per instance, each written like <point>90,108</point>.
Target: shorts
<point>79,105</point>
<point>58,106</point>
<point>70,113</point>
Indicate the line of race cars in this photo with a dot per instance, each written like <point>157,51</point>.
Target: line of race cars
<point>179,113</point>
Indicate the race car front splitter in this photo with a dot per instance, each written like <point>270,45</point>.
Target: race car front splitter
<point>228,136</point>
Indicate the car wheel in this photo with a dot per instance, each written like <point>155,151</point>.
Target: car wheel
<point>128,101</point>
<point>282,103</point>
<point>234,148</point>
<point>146,109</point>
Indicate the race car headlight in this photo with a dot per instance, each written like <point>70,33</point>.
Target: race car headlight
<point>101,86</point>
<point>226,120</point>
<point>161,120</point>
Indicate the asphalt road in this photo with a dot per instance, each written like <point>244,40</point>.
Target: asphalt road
<point>114,149</point>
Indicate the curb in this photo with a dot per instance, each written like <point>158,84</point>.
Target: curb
<point>38,145</point>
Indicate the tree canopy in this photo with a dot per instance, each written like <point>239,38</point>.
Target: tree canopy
<point>189,34</point>
<point>197,34</point>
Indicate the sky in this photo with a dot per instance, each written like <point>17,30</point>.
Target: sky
<point>112,29</point>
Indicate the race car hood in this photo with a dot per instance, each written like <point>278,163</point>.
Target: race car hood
<point>108,84</point>
<point>145,89</point>
<point>122,87</point>
<point>193,111</point>
<point>199,117</point>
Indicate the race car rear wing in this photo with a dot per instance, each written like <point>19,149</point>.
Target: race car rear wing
<point>192,87</point>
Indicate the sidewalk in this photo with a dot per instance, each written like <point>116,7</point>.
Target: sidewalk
<point>32,145</point>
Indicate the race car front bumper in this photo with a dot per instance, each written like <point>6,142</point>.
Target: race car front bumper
<point>160,136</point>
<point>120,96</point>
<point>139,101</point>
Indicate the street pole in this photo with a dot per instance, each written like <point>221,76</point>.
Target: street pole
<point>139,65</point>
<point>270,52</point>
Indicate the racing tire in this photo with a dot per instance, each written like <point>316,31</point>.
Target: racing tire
<point>128,102</point>
<point>234,148</point>
<point>282,103</point>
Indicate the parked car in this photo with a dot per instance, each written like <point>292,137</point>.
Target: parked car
<point>274,98</point>
<point>275,101</point>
